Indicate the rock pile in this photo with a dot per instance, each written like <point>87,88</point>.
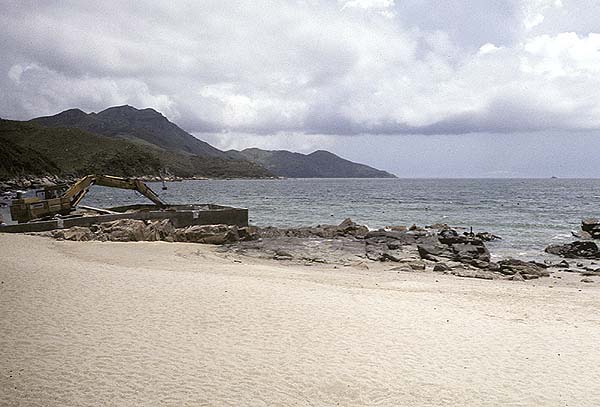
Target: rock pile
<point>575,250</point>
<point>346,228</point>
<point>130,230</point>
<point>415,249</point>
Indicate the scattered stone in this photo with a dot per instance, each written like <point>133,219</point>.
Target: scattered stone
<point>396,228</point>
<point>587,273</point>
<point>482,274</point>
<point>563,264</point>
<point>417,266</point>
<point>441,267</point>
<point>517,277</point>
<point>587,280</point>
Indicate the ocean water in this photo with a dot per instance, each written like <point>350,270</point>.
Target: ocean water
<point>528,214</point>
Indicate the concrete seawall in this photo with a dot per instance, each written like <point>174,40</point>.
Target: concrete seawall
<point>180,216</point>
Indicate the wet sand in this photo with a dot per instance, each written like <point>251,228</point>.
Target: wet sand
<point>127,324</point>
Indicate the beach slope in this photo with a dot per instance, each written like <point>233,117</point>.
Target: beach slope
<point>154,323</point>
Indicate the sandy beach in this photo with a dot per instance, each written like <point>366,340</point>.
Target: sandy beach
<point>128,324</point>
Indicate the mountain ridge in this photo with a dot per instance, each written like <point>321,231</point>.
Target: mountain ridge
<point>148,127</point>
<point>318,164</point>
<point>145,125</point>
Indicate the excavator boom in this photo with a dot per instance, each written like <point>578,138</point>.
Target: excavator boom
<point>78,190</point>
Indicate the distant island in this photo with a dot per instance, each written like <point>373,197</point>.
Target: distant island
<point>126,141</point>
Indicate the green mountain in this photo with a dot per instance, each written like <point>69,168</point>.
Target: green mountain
<point>320,164</point>
<point>146,126</point>
<point>38,150</point>
<point>126,141</point>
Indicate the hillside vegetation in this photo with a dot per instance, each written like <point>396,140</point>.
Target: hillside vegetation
<point>39,150</point>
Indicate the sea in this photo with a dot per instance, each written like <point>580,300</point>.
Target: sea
<point>528,214</point>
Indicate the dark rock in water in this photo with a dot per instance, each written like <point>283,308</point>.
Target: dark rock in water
<point>450,236</point>
<point>564,264</point>
<point>487,237</point>
<point>527,269</point>
<point>586,250</point>
<point>589,224</point>
<point>438,226</point>
<point>587,280</point>
<point>591,227</point>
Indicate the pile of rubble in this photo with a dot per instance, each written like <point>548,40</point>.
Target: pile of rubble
<point>131,230</point>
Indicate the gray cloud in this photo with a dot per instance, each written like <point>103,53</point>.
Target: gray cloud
<point>313,67</point>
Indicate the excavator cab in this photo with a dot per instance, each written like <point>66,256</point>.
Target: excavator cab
<point>46,202</point>
<point>51,192</point>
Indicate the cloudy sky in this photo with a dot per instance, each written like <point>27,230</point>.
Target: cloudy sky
<point>422,88</point>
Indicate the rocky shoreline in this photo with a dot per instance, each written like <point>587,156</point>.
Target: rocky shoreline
<point>436,248</point>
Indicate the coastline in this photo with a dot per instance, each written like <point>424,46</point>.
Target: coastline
<point>87,323</point>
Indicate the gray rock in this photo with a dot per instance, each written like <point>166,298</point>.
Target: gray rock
<point>482,274</point>
<point>517,277</point>
<point>581,235</point>
<point>76,233</point>
<point>441,267</point>
<point>588,250</point>
<point>527,269</point>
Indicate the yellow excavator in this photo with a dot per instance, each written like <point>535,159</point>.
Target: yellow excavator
<point>52,201</point>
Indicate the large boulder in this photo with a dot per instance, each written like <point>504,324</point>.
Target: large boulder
<point>123,230</point>
<point>468,252</point>
<point>586,250</point>
<point>77,233</point>
<point>450,245</point>
<point>348,227</point>
<point>528,270</point>
<point>159,230</point>
<point>209,234</point>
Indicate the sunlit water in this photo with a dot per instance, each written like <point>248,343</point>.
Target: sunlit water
<point>527,214</point>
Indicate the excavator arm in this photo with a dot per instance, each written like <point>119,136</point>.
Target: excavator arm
<point>28,209</point>
<point>78,190</point>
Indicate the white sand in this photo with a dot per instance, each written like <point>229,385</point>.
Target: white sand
<point>178,324</point>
